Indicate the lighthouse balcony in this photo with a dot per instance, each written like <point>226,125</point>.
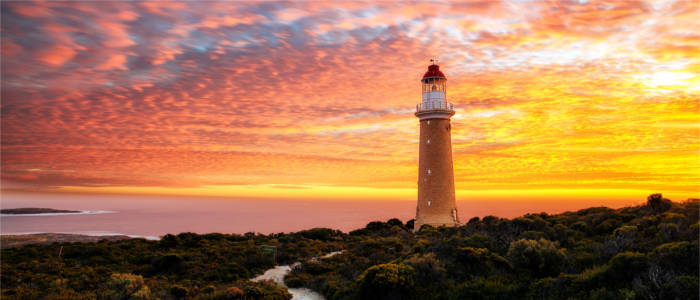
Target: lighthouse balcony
<point>435,106</point>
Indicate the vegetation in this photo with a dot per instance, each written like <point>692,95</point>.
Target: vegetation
<point>183,266</point>
<point>644,252</point>
<point>11,241</point>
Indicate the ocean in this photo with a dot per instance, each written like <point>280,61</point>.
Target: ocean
<point>155,216</point>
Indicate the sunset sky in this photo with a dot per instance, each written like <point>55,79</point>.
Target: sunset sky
<point>558,99</point>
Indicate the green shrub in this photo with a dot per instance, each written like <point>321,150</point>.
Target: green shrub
<point>234,293</point>
<point>540,257</point>
<point>322,234</point>
<point>427,267</point>
<point>178,291</point>
<point>658,203</point>
<point>294,280</point>
<point>387,281</point>
<point>487,288</point>
<point>209,289</point>
<point>127,286</point>
<point>410,224</point>
<point>168,241</point>
<point>623,267</point>
<point>169,263</point>
<point>480,261</point>
<point>678,256</point>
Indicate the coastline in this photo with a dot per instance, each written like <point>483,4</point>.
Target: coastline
<point>85,212</point>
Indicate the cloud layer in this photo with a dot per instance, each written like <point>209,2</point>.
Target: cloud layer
<point>587,94</point>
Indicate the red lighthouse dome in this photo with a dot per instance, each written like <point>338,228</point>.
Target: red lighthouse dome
<point>433,71</point>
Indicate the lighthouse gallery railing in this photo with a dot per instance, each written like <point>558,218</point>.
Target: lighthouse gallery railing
<point>435,105</point>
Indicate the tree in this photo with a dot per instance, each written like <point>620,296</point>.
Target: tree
<point>234,293</point>
<point>478,261</point>
<point>168,241</point>
<point>540,257</point>
<point>625,266</point>
<point>169,263</point>
<point>658,203</point>
<point>410,224</point>
<point>178,291</point>
<point>127,286</point>
<point>679,256</point>
<point>395,222</point>
<point>387,281</point>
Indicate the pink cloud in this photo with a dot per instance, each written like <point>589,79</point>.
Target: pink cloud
<point>113,62</point>
<point>56,55</point>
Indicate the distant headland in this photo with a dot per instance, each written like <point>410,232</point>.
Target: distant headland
<point>35,210</point>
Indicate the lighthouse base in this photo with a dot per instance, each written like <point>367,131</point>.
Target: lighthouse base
<point>434,223</point>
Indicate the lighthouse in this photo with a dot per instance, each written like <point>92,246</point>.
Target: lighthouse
<point>436,186</point>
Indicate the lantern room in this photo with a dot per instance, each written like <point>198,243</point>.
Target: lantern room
<point>434,91</point>
<point>433,80</point>
<point>434,85</point>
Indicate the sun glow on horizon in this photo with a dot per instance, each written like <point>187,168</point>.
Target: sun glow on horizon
<point>355,193</point>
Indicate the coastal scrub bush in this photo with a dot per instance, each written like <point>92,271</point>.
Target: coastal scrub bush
<point>321,234</point>
<point>234,293</point>
<point>395,222</point>
<point>480,261</point>
<point>625,266</point>
<point>387,281</point>
<point>426,267</point>
<point>127,286</point>
<point>410,224</point>
<point>658,203</point>
<point>267,290</point>
<point>487,288</point>
<point>169,263</point>
<point>209,289</point>
<point>678,256</point>
<point>540,257</point>
<point>168,241</point>
<point>178,291</point>
<point>294,280</point>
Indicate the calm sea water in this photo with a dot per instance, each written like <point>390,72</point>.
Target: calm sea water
<point>155,216</point>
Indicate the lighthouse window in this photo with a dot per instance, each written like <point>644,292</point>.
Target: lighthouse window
<point>429,172</point>
<point>428,141</point>
<point>429,202</point>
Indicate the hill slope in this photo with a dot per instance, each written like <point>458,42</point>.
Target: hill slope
<point>643,252</point>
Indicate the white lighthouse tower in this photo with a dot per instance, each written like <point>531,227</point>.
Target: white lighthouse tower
<point>436,187</point>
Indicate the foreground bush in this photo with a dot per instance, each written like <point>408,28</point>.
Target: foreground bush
<point>387,281</point>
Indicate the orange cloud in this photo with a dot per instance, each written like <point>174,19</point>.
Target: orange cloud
<point>168,97</point>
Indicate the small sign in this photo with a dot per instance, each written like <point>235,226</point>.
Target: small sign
<point>269,249</point>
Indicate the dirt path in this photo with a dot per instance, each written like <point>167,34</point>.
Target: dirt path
<point>277,274</point>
